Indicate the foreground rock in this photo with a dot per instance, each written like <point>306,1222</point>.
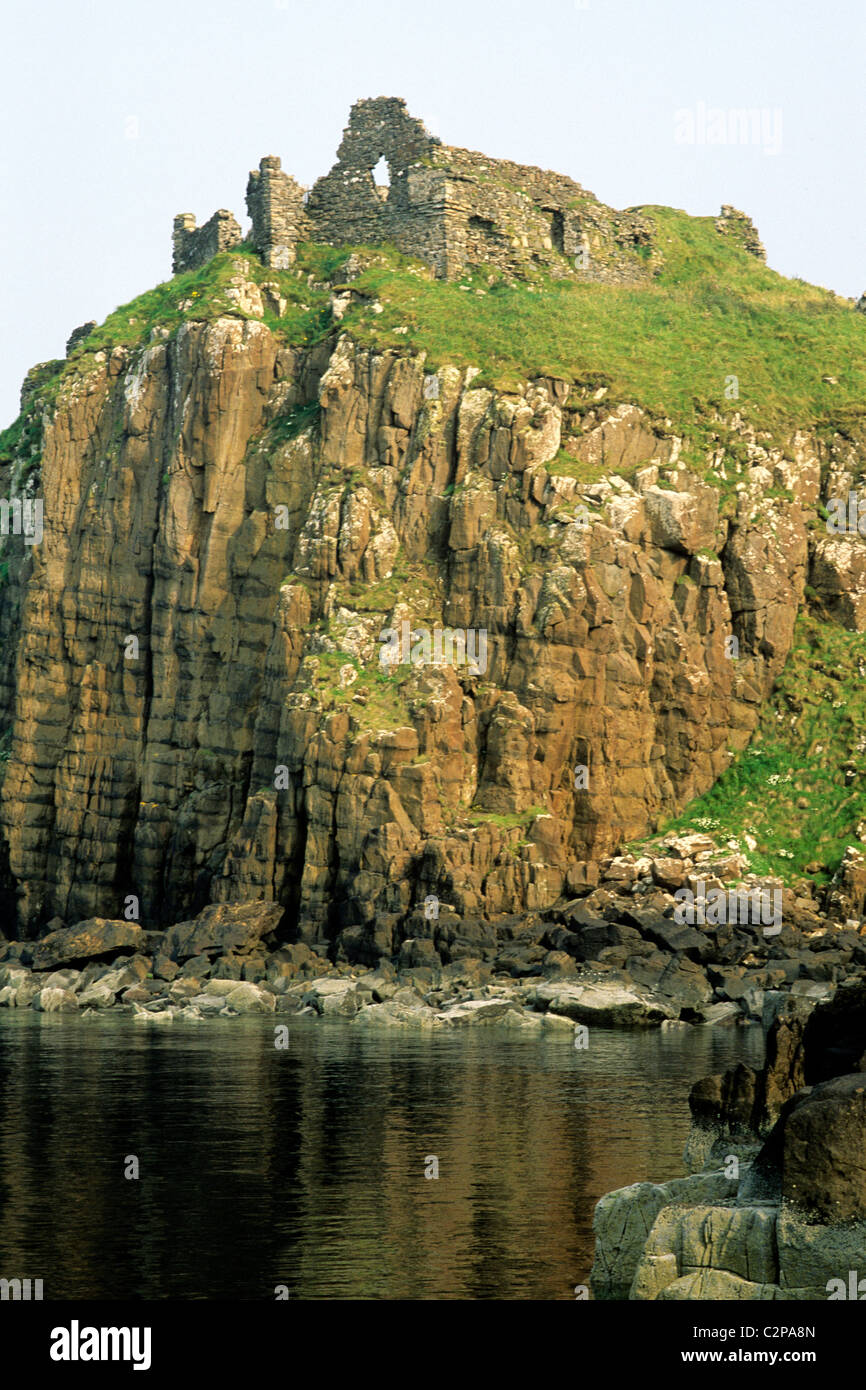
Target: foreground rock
<point>605,1004</point>
<point>779,1210</point>
<point>95,939</point>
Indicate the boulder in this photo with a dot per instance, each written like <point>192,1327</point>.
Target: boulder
<point>669,935</point>
<point>96,939</point>
<point>585,935</point>
<point>669,873</point>
<point>557,963</point>
<point>96,996</point>
<point>332,995</point>
<point>249,998</point>
<point>684,984</point>
<point>13,975</point>
<point>395,1014</point>
<point>164,968</point>
<point>824,1150</point>
<point>207,1004</point>
<point>63,979</point>
<point>726,1102</point>
<point>607,1004</point>
<point>197,967</point>
<point>624,1218</point>
<point>223,928</point>
<point>418,952</point>
<point>833,1036</point>
<point>55,1001</point>
<point>153,1016</point>
<point>479,1011</point>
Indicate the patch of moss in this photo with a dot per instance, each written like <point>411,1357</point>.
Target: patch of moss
<point>565,465</point>
<point>510,821</point>
<point>384,706</point>
<point>293,423</point>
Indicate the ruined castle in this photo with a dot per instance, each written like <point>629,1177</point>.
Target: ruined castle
<point>449,207</point>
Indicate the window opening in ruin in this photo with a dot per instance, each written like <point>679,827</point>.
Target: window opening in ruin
<point>381,174</point>
<point>483,235</point>
<point>557,232</point>
<point>482,225</point>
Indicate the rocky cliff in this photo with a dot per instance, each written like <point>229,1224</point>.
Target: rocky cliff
<point>222,680</point>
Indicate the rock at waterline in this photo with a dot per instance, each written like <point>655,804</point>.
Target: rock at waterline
<point>96,939</point>
<point>222,928</point>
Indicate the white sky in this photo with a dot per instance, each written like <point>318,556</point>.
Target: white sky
<point>116,116</point>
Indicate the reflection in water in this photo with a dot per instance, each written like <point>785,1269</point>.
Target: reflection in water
<point>305,1167</point>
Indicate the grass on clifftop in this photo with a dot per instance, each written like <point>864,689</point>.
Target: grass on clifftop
<point>196,296</point>
<point>670,344</point>
<point>799,789</point>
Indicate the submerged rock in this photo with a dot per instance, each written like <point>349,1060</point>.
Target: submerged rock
<point>398,1015</point>
<point>607,1005</point>
<point>156,1016</point>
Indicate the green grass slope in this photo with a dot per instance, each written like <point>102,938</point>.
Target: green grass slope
<point>799,789</point>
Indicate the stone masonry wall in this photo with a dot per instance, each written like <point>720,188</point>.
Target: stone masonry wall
<point>453,208</point>
<point>732,222</point>
<point>275,203</point>
<point>193,246</point>
<point>345,207</point>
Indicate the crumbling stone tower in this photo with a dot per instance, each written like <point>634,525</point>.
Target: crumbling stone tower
<point>455,209</point>
<point>275,203</point>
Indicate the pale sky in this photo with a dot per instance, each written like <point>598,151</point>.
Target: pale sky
<point>116,116</point>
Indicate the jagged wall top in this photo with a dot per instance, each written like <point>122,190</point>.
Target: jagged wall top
<point>450,207</point>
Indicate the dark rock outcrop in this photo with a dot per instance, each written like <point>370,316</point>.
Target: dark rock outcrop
<point>93,940</point>
<point>791,1223</point>
<point>235,928</point>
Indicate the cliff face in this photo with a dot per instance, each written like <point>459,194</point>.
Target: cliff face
<point>197,705</point>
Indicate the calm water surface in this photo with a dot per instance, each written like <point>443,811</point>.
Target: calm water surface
<point>305,1167</point>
